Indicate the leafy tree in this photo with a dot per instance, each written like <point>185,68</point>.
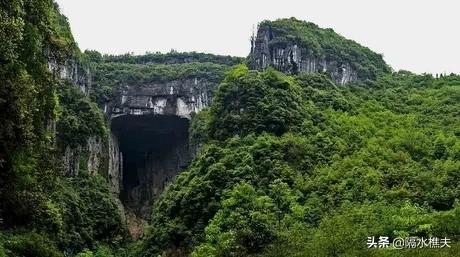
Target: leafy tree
<point>252,102</point>
<point>242,226</point>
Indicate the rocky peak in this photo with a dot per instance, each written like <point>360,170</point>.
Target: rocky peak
<point>294,46</point>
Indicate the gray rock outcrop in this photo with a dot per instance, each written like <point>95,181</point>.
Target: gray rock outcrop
<point>178,97</point>
<point>293,59</point>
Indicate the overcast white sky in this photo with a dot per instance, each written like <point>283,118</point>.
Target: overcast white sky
<point>416,35</point>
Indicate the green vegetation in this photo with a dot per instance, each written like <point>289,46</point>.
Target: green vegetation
<point>70,214</point>
<point>325,43</point>
<point>172,57</point>
<point>109,76</point>
<point>27,98</point>
<point>79,118</point>
<point>249,101</point>
<point>373,159</point>
<point>286,166</point>
<point>42,213</point>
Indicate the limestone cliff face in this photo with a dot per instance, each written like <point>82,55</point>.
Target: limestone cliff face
<point>87,157</point>
<point>115,165</point>
<point>178,97</point>
<point>149,146</point>
<point>293,59</point>
<point>72,70</point>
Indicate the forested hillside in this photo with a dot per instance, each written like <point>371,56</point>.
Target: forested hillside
<point>42,212</point>
<point>296,166</point>
<point>286,165</point>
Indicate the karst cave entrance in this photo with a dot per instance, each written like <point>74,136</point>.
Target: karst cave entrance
<point>154,149</point>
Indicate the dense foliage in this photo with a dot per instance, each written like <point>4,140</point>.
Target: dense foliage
<point>374,159</point>
<point>109,76</point>
<point>71,214</point>
<point>42,213</point>
<point>286,166</point>
<point>172,57</point>
<point>79,117</point>
<point>27,98</point>
<point>325,43</point>
<point>249,101</point>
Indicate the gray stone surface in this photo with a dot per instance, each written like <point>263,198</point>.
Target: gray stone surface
<point>149,143</point>
<point>90,155</point>
<point>74,71</point>
<point>178,97</point>
<point>293,60</point>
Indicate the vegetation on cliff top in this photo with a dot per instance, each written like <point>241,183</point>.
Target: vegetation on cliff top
<point>173,57</point>
<point>113,71</point>
<point>326,44</point>
<point>109,77</point>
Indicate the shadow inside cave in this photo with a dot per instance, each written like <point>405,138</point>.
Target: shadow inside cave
<point>154,149</point>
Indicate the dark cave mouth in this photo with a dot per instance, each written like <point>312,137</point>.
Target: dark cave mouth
<point>154,149</point>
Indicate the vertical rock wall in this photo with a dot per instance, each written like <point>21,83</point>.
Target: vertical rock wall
<point>177,97</point>
<point>115,165</point>
<point>86,158</point>
<point>74,71</point>
<point>292,59</point>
